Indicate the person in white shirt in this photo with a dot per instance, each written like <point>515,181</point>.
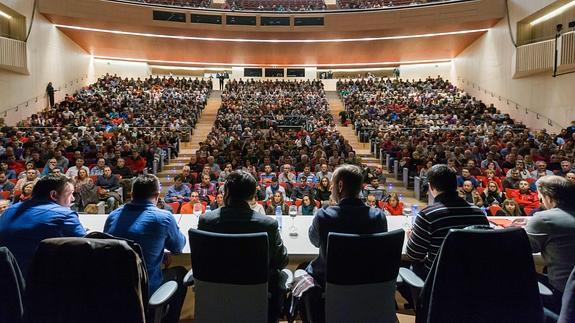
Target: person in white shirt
<point>255,206</point>
<point>73,171</point>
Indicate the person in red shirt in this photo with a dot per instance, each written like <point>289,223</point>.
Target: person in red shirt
<point>393,205</point>
<point>526,199</point>
<point>136,162</point>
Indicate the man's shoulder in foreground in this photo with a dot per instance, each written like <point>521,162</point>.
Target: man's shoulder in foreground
<point>44,208</point>
<point>216,216</point>
<point>148,209</point>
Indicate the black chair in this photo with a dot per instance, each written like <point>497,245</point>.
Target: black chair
<point>91,280</point>
<point>567,314</point>
<point>11,288</point>
<point>361,276</point>
<point>230,276</point>
<point>568,306</point>
<point>479,276</point>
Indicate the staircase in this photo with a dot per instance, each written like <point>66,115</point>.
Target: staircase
<point>187,149</point>
<point>363,150</point>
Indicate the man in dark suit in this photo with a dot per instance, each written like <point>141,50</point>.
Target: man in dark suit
<point>351,215</point>
<point>237,217</point>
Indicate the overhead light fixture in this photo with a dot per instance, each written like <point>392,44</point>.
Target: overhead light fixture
<point>553,13</point>
<point>5,15</point>
<point>156,61</point>
<point>253,40</point>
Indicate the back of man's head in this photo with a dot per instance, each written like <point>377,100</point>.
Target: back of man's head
<point>49,183</point>
<point>145,187</point>
<point>239,186</point>
<point>348,180</point>
<point>442,178</point>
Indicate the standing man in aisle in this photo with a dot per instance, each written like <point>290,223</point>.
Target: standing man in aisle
<point>50,93</point>
<point>154,230</point>
<point>46,215</point>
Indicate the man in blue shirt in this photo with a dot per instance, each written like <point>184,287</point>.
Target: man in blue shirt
<point>46,215</point>
<point>154,230</point>
<point>179,192</point>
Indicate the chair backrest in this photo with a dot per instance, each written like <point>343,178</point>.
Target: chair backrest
<point>86,280</point>
<point>230,276</point>
<point>12,287</point>
<point>482,276</point>
<point>361,276</point>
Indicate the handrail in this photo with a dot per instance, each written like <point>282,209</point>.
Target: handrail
<point>34,99</point>
<point>419,5</point>
<point>518,106</point>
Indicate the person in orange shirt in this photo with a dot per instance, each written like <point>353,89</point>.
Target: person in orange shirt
<point>393,205</point>
<point>188,207</point>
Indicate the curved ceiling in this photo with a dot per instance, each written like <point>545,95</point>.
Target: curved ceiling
<point>115,30</point>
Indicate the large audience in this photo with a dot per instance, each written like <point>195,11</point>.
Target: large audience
<point>179,3</point>
<point>374,4</point>
<point>288,6</point>
<point>275,149</point>
<point>281,132</point>
<point>276,5</point>
<point>101,136</point>
<point>427,122</point>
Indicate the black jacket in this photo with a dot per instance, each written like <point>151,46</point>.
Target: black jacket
<point>350,216</point>
<point>242,219</point>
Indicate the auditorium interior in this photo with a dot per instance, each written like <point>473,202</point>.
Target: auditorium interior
<point>302,99</point>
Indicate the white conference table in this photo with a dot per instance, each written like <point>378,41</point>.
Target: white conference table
<point>299,245</point>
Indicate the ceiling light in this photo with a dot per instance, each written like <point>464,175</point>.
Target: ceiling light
<point>443,60</point>
<point>5,15</point>
<point>553,13</point>
<point>250,40</point>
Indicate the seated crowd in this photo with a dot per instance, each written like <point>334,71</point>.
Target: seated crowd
<point>427,122</point>
<point>373,4</point>
<point>101,136</point>
<point>253,154</point>
<point>276,5</point>
<point>179,3</point>
<point>283,134</point>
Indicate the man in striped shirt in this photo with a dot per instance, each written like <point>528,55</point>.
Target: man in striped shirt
<point>434,222</point>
